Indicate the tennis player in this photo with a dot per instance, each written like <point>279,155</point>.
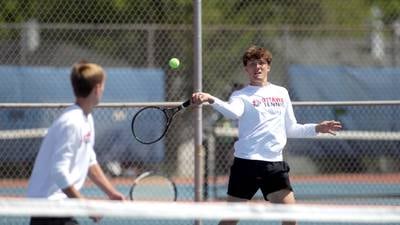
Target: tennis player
<point>265,119</point>
<point>66,156</point>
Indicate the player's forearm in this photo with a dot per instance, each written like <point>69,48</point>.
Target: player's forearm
<point>301,130</point>
<point>231,110</point>
<point>98,177</point>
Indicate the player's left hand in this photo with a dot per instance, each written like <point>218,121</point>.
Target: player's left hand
<point>330,127</point>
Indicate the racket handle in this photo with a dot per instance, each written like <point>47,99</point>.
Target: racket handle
<point>186,103</point>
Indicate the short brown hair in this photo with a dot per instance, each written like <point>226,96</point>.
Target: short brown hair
<point>85,76</point>
<point>255,52</point>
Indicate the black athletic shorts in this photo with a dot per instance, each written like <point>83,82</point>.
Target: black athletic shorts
<point>247,176</point>
<point>53,221</point>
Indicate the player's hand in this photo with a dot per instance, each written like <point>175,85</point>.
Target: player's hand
<point>116,196</point>
<point>112,196</point>
<point>330,127</point>
<point>201,97</point>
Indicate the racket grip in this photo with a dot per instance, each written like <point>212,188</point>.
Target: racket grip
<point>186,103</point>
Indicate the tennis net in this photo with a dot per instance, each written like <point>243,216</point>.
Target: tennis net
<point>18,211</point>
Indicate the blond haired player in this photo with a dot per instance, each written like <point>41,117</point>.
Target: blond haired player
<point>66,156</point>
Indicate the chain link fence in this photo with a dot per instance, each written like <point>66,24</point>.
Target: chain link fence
<point>322,51</point>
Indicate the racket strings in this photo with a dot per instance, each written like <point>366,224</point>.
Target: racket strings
<point>170,112</point>
<point>153,188</point>
<point>150,124</point>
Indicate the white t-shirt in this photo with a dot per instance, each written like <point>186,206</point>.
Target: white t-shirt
<point>65,155</point>
<point>266,118</point>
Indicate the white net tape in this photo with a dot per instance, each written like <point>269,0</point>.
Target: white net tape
<point>201,211</point>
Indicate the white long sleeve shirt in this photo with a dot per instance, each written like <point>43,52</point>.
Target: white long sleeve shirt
<point>266,118</point>
<point>65,155</point>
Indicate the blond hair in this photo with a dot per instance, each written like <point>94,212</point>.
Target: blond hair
<point>85,76</point>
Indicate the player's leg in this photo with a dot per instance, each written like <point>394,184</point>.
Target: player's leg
<point>276,186</point>
<point>284,196</point>
<point>242,183</point>
<point>232,199</point>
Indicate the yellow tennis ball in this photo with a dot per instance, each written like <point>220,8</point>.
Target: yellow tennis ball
<point>174,63</point>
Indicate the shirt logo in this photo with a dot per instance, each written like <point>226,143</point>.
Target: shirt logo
<point>86,137</point>
<point>270,102</point>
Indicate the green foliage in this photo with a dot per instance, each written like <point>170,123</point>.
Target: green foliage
<point>390,9</point>
<point>287,12</point>
<point>14,11</point>
<point>251,16</point>
<point>238,12</point>
<point>354,13</point>
<point>96,11</point>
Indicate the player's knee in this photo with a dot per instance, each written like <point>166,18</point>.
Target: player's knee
<point>235,199</point>
<point>282,196</point>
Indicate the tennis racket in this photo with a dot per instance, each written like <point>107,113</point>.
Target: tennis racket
<point>151,123</point>
<point>153,187</point>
